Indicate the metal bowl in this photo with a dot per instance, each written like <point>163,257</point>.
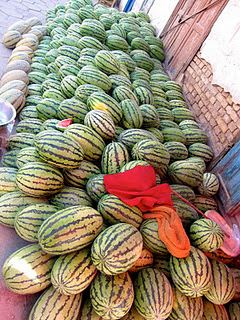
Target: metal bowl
<point>7,112</point>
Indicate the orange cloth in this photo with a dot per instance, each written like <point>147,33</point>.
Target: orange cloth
<point>170,230</point>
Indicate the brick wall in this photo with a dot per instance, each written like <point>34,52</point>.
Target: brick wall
<point>213,108</point>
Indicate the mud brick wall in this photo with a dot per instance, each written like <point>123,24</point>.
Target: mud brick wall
<point>213,108</point>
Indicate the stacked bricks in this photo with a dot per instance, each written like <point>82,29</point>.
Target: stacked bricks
<point>213,108</point>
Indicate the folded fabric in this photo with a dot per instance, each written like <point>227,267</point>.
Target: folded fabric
<point>137,187</point>
<point>170,230</point>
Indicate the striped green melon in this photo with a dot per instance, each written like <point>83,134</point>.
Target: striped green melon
<point>47,108</point>
<point>87,311</point>
<point>54,94</point>
<point>38,67</point>
<point>115,42</point>
<point>153,294</point>
<point>106,62</point>
<point>132,164</point>
<point>204,203</point>
<point>85,13</point>
<point>69,51</point>
<point>206,235</point>
<point>165,123</point>
<point>214,311</point>
<point>130,137</point>
<point>210,184</point>
<point>184,191</point>
<point>32,100</point>
<point>85,90</point>
<point>113,211</point>
<point>9,158</point>
<point>187,214</point>
<point>95,30</point>
<point>126,60</point>
<point>185,172</point>
<point>159,76</point>
<point>21,140</point>
<point>28,220</point>
<point>92,75</point>
<point>104,102</point>
<point>115,155</point>
<point>90,42</point>
<point>150,116</point>
<point>201,150</point>
<point>139,73</point>
<point>72,109</point>
<point>28,270</point>
<point>50,84</point>
<point>118,28</point>
<point>78,177</point>
<point>157,52</point>
<point>62,60</point>
<point>195,136</point>
<point>117,297</point>
<point>173,134</point>
<point>121,93</point>
<point>29,125</point>
<point>73,272</point>
<point>69,230</point>
<point>91,142</point>
<point>50,124</point>
<point>58,150</point>
<point>161,102</point>
<point>140,43</point>
<point>153,152</point>
<point>116,248</point>
<point>35,89</point>
<point>185,308</point>
<point>101,122</point>
<point>70,196</point>
<point>174,95</point>
<point>28,112</point>
<point>222,288</point>
<point>7,180</point>
<point>39,179</point>
<point>68,85</point>
<point>85,60</point>
<point>162,264</point>
<point>163,112</point>
<point>142,83</point>
<point>143,61</point>
<point>118,80</point>
<point>186,124</point>
<point>52,303</point>
<point>234,310</point>
<point>157,133</point>
<point>68,70</point>
<point>177,150</point>
<point>181,114</point>
<point>132,115</point>
<point>186,276</point>
<point>151,239</point>
<point>172,85</point>
<point>36,77</point>
<point>95,187</point>
<point>13,202</point>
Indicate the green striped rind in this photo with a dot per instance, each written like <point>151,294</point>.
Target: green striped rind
<point>177,150</point>
<point>72,109</point>
<point>35,89</point>
<point>92,75</point>
<point>9,158</point>
<point>39,67</point>
<point>197,161</point>
<point>157,133</point>
<point>210,184</point>
<point>206,235</point>
<point>101,122</point>
<point>121,93</point>
<point>185,307</point>
<point>95,187</point>
<point>132,164</point>
<point>58,150</point>
<point>90,42</point>
<point>52,305</point>
<point>222,288</point>
<point>195,136</point>
<point>150,116</point>
<point>78,177</point>
<point>36,77</point>
<point>34,276</point>
<point>72,273</point>
<point>156,52</point>
<point>104,102</point>
<point>118,80</point>
<point>117,248</point>
<point>186,213</point>
<point>91,142</point>
<point>111,296</point>
<point>69,85</point>
<point>39,179</point>
<point>187,124</point>
<point>13,202</point>
<point>70,230</point>
<point>153,294</point>
<point>185,172</point>
<point>186,276</point>
<point>163,112</point>
<point>161,102</point>
<point>144,95</point>
<point>29,125</point>
<point>125,59</point>
<point>115,155</point>
<point>151,239</point>
<point>28,112</point>
<point>95,30</point>
<point>71,196</point>
<point>47,108</point>
<point>181,114</point>
<point>21,140</point>
<point>174,95</point>
<point>162,264</point>
<point>140,43</point>
<point>106,62</point>
<point>215,311</point>
<point>143,61</point>
<point>204,203</point>
<point>184,191</point>
<point>28,221</point>
<point>85,60</point>
<point>173,134</point>
<point>7,180</point>
<point>85,90</point>
<point>50,84</point>
<point>234,310</point>
<point>68,70</point>
<point>132,115</point>
<point>130,137</point>
<point>165,123</point>
<point>32,100</point>
<point>62,60</point>
<point>115,42</point>
<point>172,85</point>
<point>201,150</point>
<point>50,124</point>
<point>54,94</point>
<point>69,51</point>
<point>153,152</point>
<point>113,211</point>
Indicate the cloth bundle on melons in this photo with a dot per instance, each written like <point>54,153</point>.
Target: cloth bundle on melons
<point>106,177</point>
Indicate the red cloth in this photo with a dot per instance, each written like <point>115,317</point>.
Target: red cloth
<point>137,187</point>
